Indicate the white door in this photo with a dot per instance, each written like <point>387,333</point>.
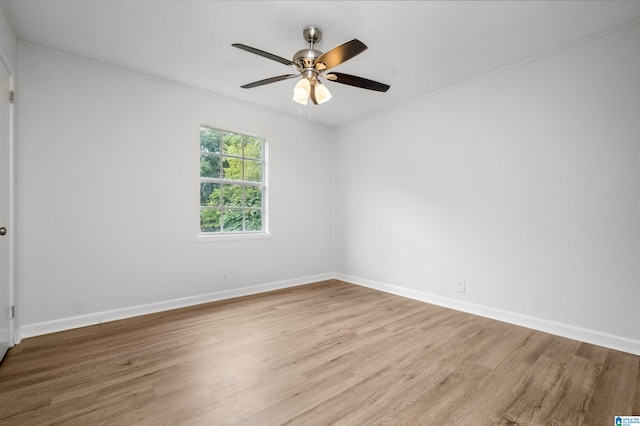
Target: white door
<point>5,210</point>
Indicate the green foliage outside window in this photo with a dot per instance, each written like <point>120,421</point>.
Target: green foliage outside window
<point>231,182</point>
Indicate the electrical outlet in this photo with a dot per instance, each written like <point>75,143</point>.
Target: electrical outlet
<point>461,286</point>
<point>224,278</point>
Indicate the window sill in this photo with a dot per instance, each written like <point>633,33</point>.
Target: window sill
<point>231,237</point>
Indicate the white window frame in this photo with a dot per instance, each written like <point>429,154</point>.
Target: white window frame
<point>237,235</point>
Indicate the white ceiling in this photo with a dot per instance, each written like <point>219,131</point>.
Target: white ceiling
<point>417,47</point>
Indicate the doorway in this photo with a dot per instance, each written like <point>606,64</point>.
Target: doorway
<point>6,208</point>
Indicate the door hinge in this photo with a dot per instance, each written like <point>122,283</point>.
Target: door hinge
<point>12,97</point>
<point>12,312</point>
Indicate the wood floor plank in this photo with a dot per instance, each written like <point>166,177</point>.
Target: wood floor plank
<point>323,353</point>
<point>488,400</point>
<point>532,391</point>
<point>500,341</point>
<point>612,395</point>
<point>569,398</point>
<point>445,394</point>
<point>635,411</point>
<point>352,405</point>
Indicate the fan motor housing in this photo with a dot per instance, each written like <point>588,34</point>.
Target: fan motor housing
<point>305,58</point>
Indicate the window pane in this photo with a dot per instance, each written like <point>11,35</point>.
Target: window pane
<point>252,171</point>
<point>209,166</point>
<point>209,220</point>
<point>232,195</point>
<point>230,164</point>
<point>253,196</point>
<point>232,220</point>
<point>253,220</point>
<point>232,144</point>
<point>209,194</point>
<point>232,168</point>
<point>252,147</point>
<point>209,140</point>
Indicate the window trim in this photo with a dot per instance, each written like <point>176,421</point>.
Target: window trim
<point>241,235</point>
<point>237,236</point>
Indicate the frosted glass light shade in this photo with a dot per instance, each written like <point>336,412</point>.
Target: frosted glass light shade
<point>322,93</point>
<point>302,100</point>
<point>302,89</point>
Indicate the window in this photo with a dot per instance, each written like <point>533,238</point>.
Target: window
<point>232,182</point>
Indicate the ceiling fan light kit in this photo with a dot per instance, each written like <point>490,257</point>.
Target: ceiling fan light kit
<point>312,64</point>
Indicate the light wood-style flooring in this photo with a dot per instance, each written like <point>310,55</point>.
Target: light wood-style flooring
<point>320,354</point>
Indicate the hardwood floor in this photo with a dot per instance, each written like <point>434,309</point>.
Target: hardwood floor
<point>325,353</point>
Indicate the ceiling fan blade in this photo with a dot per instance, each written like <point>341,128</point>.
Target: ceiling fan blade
<point>264,54</point>
<point>363,83</point>
<point>341,53</point>
<point>312,95</point>
<point>268,80</point>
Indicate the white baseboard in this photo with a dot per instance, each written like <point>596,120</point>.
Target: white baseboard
<point>37,329</point>
<point>565,330</point>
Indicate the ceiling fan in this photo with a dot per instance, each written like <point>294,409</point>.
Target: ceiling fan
<point>312,64</point>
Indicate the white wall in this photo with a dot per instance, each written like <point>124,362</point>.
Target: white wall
<point>108,193</point>
<point>525,183</point>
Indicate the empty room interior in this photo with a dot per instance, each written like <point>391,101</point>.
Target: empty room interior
<point>320,212</point>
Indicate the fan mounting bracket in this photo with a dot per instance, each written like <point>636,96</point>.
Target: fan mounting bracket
<point>312,34</point>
